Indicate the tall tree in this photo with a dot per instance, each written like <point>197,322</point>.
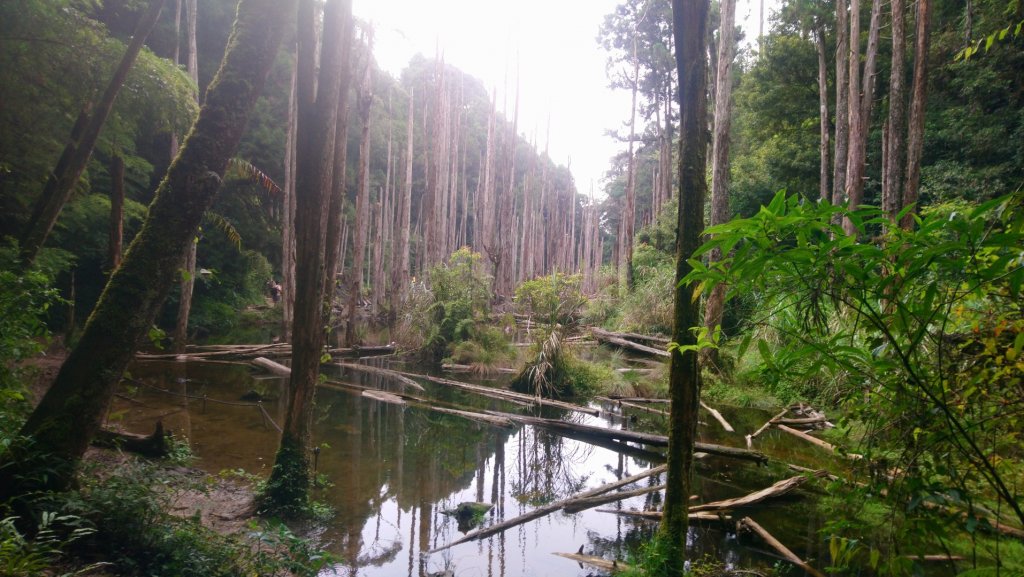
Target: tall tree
<point>629,214</point>
<point>894,151</point>
<point>400,272</point>
<point>689,19</point>
<point>188,276</point>
<point>918,99</point>
<point>842,102</point>
<point>364,104</point>
<point>62,180</point>
<point>862,99</point>
<point>52,441</point>
<point>720,161</point>
<point>288,487</point>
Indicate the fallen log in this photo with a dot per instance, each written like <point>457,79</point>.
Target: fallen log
<point>765,426</point>
<point>396,375</point>
<point>655,339</point>
<point>154,445</point>
<point>775,544</point>
<point>271,366</point>
<point>454,368</point>
<point>415,401</point>
<point>802,421</point>
<point>718,417</point>
<point>384,397</point>
<point>506,395</point>
<point>635,436</point>
<point>656,515</point>
<point>634,406</point>
<point>637,399</point>
<point>778,489</point>
<point>590,502</point>
<point>611,338</point>
<point>549,508</point>
<point>599,562</point>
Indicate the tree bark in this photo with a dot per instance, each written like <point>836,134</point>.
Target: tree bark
<point>824,190</point>
<point>288,216</point>
<point>715,304</point>
<point>57,433</point>
<point>287,488</point>
<point>689,19</point>
<point>842,103</point>
<point>63,179</point>
<point>918,99</point>
<point>629,214</point>
<point>364,103</point>
<point>188,276</point>
<point>895,147</point>
<point>861,105</point>
<point>400,274</point>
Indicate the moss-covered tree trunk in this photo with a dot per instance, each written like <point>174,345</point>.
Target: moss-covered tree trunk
<point>59,430</point>
<point>288,486</point>
<point>689,20</point>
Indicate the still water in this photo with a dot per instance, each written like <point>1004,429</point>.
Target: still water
<point>395,469</point>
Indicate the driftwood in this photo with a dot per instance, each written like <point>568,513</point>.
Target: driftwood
<point>613,339</point>
<point>806,437</point>
<point>599,562</point>
<point>505,395</point>
<point>776,490</point>
<point>415,401</point>
<point>396,375</point>
<point>765,426</point>
<point>656,515</point>
<point>775,544</point>
<point>802,421</point>
<point>550,508</point>
<point>718,417</point>
<point>275,350</point>
<point>646,438</point>
<point>154,445</point>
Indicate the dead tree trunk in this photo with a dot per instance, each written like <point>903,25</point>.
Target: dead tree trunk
<point>825,192</point>
<point>400,273</point>
<point>364,104</point>
<point>629,214</point>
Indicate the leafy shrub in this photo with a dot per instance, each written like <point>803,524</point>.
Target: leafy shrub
<point>554,300</point>
<point>461,299</point>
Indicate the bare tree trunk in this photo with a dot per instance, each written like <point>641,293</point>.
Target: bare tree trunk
<point>918,99</point>
<point>287,488</point>
<point>364,103</point>
<point>44,455</point>
<point>629,214</point>
<point>861,108</point>
<point>63,179</point>
<point>720,164</point>
<point>288,218</point>
<point>116,211</point>
<point>825,191</point>
<point>854,110</point>
<point>188,277</point>
<point>842,103</point>
<point>400,273</point>
<point>690,30</point>
<point>895,139</point>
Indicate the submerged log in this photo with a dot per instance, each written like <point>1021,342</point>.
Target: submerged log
<point>775,544</point>
<point>274,350</point>
<point>599,562</point>
<point>550,508</point>
<point>613,339</point>
<point>384,397</point>
<point>623,403</point>
<point>646,438</point>
<point>585,503</point>
<point>454,368</point>
<point>154,445</point>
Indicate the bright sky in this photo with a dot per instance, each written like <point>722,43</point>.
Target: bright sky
<point>561,67</point>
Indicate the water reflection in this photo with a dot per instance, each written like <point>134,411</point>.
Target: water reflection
<point>396,468</point>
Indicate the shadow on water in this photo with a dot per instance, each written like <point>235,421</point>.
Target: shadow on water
<point>395,469</point>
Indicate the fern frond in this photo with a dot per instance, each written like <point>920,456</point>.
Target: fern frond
<point>245,169</point>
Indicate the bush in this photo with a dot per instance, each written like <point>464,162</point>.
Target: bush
<point>460,302</point>
<point>552,300</point>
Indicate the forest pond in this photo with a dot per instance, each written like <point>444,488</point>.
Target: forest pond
<point>396,469</point>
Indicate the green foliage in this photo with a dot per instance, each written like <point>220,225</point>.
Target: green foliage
<point>25,556</point>
<point>552,300</point>
<point>555,372</point>
<point>460,303</point>
<point>125,522</point>
<point>648,308</point>
<point>920,333</point>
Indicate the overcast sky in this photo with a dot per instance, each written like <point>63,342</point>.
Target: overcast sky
<point>561,67</point>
